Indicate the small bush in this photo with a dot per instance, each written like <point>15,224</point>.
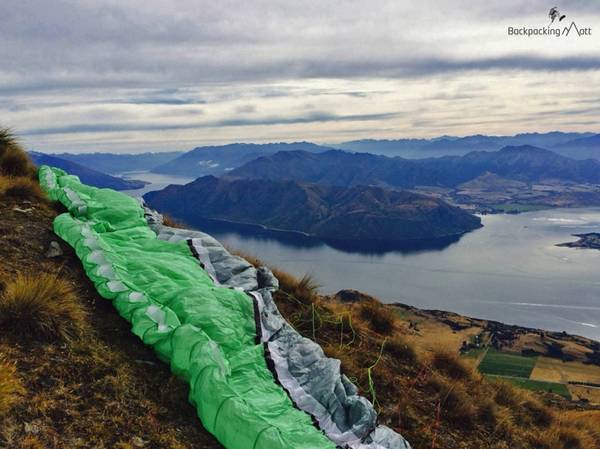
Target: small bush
<point>488,412</point>
<point>451,365</point>
<point>539,413</point>
<point>400,349</point>
<point>458,404</point>
<point>171,222</point>
<point>41,307</point>
<point>307,287</point>
<point>23,188</point>
<point>507,395</point>
<point>379,317</point>
<point>7,140</point>
<point>304,289</point>
<point>505,424</point>
<point>541,440</point>
<point>16,162</point>
<point>572,438</point>
<point>11,388</point>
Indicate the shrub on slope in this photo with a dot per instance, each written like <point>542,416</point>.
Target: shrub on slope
<point>17,172</point>
<point>14,161</point>
<point>41,307</point>
<point>20,188</point>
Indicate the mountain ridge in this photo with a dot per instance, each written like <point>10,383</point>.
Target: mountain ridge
<point>454,145</point>
<point>86,174</point>
<point>331,212</point>
<point>523,163</point>
<point>219,159</point>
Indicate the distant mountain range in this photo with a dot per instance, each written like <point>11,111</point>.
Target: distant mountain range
<point>330,212</point>
<point>335,167</point>
<point>87,175</point>
<point>221,159</point>
<point>218,160</point>
<point>119,163</point>
<point>574,145</point>
<point>584,147</point>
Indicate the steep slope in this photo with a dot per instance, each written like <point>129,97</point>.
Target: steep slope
<point>356,213</point>
<point>217,160</point>
<point>105,389</point>
<point>87,175</point>
<point>524,163</point>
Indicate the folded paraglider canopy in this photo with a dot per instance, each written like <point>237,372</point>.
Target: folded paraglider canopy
<point>255,382</point>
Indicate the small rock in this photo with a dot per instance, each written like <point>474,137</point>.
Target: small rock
<point>138,442</point>
<point>350,295</point>
<point>145,362</point>
<point>54,250</point>
<point>23,211</point>
<point>31,428</point>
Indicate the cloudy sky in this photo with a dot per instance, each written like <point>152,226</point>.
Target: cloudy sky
<point>147,75</point>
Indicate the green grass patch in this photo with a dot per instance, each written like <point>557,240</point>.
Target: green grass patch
<point>499,363</point>
<point>535,385</point>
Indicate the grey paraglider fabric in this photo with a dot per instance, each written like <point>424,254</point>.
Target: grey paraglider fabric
<point>313,381</point>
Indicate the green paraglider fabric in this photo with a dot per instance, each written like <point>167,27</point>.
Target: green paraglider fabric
<point>206,332</point>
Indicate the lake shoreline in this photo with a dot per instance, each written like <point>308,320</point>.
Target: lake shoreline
<point>509,271</point>
<point>586,241</point>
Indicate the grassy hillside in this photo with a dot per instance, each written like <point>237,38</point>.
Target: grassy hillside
<point>427,392</point>
<point>73,376</point>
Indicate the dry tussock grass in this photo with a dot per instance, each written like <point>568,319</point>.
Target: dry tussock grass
<point>380,319</point>
<point>399,348</point>
<point>21,188</point>
<point>41,307</point>
<point>17,171</point>
<point>11,388</point>
<point>435,400</point>
<point>168,220</point>
<point>451,365</point>
<point>14,161</point>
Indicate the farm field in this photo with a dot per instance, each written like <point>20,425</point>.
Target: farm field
<point>499,363</point>
<point>555,370</point>
<point>517,369</point>
<point>536,385</point>
<point>430,332</point>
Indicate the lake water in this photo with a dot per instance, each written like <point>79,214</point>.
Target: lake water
<point>510,270</point>
<point>155,181</point>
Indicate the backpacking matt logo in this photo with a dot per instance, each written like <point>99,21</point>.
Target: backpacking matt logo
<point>555,14</point>
<point>553,29</point>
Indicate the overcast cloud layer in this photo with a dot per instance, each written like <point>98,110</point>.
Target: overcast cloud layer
<point>132,75</point>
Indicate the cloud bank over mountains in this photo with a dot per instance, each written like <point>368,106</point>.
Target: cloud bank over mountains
<point>142,75</point>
